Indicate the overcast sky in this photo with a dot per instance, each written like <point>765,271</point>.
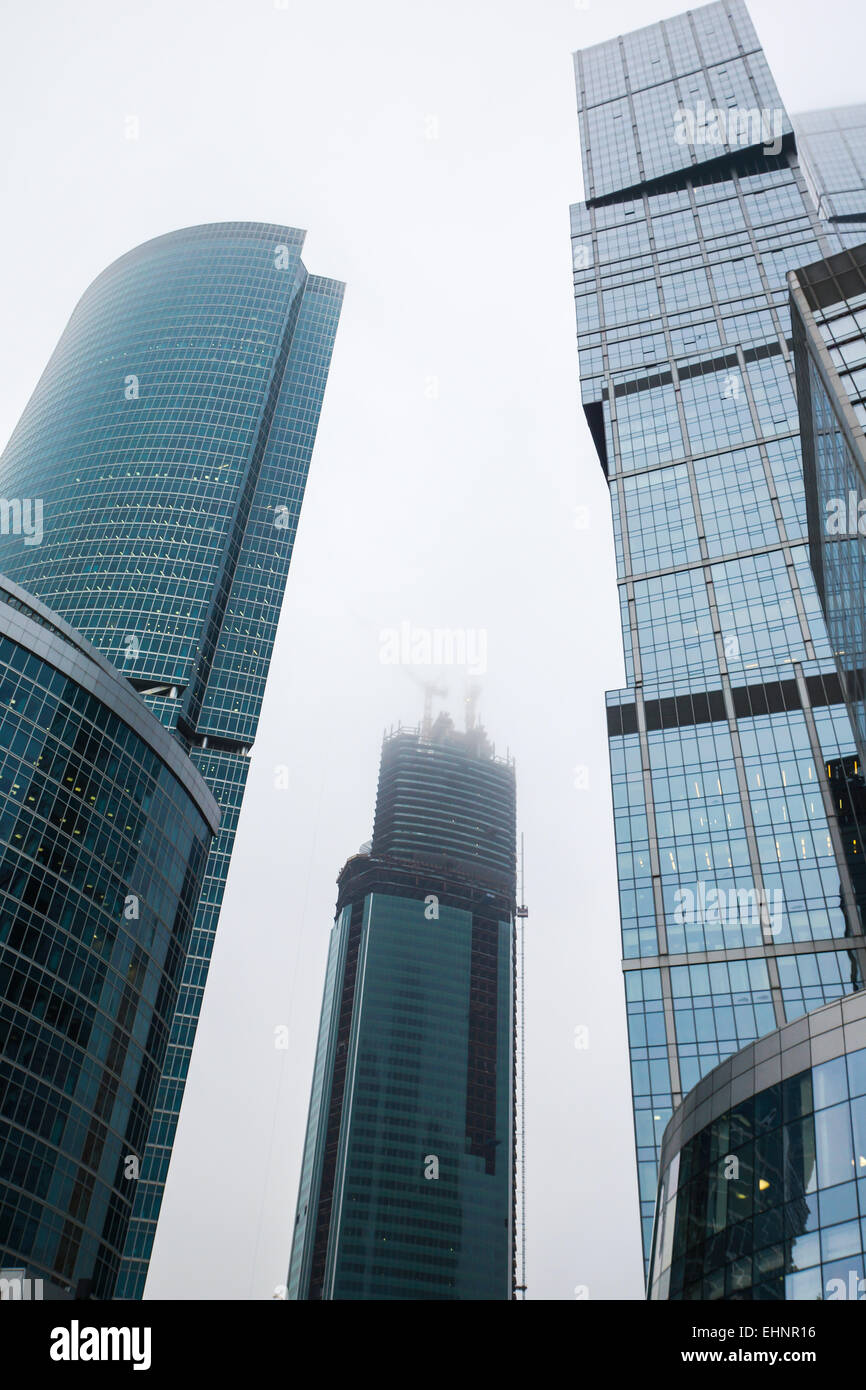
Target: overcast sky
<point>431,152</point>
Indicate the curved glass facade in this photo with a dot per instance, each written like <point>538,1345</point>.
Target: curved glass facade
<point>167,444</point>
<point>152,440</point>
<point>767,1198</point>
<point>105,829</point>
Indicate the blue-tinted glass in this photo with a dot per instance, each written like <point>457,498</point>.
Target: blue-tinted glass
<point>169,441</point>
<point>104,836</point>
<point>406,1183</point>
<point>681,255</point>
<point>838,1204</point>
<point>829,1083</point>
<point>790,1202</point>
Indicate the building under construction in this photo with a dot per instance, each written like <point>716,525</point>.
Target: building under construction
<point>407,1186</point>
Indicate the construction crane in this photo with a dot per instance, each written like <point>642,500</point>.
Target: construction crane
<point>473,693</point>
<point>518,1278</point>
<point>430,689</point>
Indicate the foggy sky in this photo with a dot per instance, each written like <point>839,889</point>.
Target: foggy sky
<point>432,152</point>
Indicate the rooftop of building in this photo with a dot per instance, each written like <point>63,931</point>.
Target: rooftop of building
<point>474,741</point>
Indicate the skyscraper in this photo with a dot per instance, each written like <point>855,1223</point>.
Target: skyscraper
<point>105,827</point>
<point>406,1187</point>
<point>737,902</point>
<point>828,316</point>
<point>168,442</point>
<point>832,147</point>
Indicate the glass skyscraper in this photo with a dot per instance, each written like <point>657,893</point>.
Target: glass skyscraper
<point>730,746</point>
<point>407,1182</point>
<point>168,442</point>
<point>831,145</point>
<point>828,316</point>
<point>105,827</point>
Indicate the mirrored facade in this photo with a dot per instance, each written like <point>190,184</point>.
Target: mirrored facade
<point>168,442</point>
<point>105,827</point>
<point>763,1170</point>
<point>738,906</point>
<point>828,316</point>
<point>407,1182</point>
<point>831,144</point>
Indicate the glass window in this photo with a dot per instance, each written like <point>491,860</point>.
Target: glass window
<point>830,1082</point>
<point>834,1145</point>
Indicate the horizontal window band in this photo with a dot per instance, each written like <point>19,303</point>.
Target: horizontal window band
<point>708,706</point>
<point>839,945</point>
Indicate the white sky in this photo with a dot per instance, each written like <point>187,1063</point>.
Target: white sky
<point>454,510</point>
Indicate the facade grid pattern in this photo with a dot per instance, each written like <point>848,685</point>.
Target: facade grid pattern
<point>169,440</point>
<point>732,713</point>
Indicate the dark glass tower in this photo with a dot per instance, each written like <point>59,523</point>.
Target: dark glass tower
<point>168,441</point>
<point>406,1186</point>
<point>737,902</point>
<point>105,827</point>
